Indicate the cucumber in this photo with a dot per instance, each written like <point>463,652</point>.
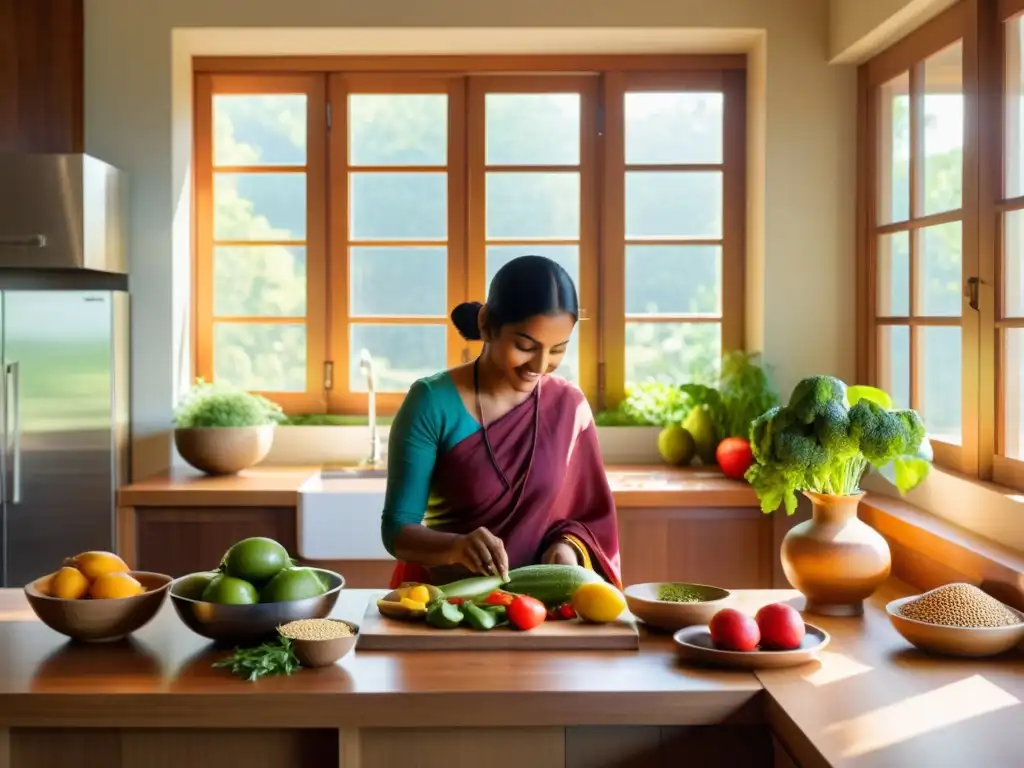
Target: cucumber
<point>551,584</point>
<point>472,587</point>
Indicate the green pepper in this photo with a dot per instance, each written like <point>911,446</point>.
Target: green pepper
<point>444,615</point>
<point>500,613</point>
<point>479,618</point>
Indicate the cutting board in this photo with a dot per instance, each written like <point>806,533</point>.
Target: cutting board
<point>377,633</point>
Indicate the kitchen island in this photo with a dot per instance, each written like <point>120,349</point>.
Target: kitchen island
<point>155,701</point>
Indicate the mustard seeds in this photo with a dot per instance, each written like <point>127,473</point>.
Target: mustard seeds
<point>959,605</point>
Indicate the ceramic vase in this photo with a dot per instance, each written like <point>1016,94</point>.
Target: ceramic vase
<point>835,559</point>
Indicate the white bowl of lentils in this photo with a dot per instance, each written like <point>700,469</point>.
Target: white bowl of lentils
<point>957,620</point>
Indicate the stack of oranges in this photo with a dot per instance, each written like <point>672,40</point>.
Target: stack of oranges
<point>96,575</point>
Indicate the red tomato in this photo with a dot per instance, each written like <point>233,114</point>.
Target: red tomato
<point>734,457</point>
<point>525,612</point>
<point>733,630</point>
<point>456,600</point>
<point>782,627</point>
<point>566,611</point>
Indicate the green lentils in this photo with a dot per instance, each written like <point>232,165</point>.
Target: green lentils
<point>678,593</point>
<point>959,605</point>
<point>315,629</point>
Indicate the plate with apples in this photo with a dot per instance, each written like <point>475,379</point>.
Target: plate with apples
<point>776,636</point>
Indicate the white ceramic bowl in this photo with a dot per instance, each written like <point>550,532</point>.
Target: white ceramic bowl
<point>643,602</point>
<point>954,641</point>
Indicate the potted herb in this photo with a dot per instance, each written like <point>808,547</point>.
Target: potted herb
<point>221,430</point>
<point>820,444</point>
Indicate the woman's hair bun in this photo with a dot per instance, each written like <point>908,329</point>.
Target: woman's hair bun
<point>466,319</point>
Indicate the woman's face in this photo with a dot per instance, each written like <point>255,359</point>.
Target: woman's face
<point>525,351</point>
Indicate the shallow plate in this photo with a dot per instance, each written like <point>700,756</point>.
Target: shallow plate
<point>694,644</point>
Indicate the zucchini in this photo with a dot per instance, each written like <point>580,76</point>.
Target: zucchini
<point>551,584</point>
<point>472,587</point>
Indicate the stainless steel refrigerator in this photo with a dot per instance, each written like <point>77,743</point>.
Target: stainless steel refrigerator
<point>64,344</point>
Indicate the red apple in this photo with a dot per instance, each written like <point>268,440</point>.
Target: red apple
<point>781,625</point>
<point>733,630</point>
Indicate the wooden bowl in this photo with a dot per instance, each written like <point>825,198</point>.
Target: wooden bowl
<point>695,644</point>
<point>323,653</point>
<point>224,450</point>
<point>643,602</point>
<point>973,642</point>
<point>100,621</point>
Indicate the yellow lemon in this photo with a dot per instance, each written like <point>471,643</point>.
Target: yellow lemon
<point>95,564</point>
<point>111,586</point>
<point>419,593</point>
<point>414,605</point>
<point>69,584</point>
<point>598,602</point>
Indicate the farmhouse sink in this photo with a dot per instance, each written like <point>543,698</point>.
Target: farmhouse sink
<point>338,514</point>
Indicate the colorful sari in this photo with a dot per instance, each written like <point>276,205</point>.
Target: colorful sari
<point>547,448</point>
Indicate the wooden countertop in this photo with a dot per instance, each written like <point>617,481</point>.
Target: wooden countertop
<point>870,701</point>
<point>633,487</point>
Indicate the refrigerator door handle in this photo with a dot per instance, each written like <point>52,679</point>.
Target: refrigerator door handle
<point>14,396</point>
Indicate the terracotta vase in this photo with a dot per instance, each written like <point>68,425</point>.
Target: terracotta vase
<point>835,559</point>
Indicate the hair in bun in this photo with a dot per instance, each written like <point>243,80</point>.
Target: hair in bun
<point>466,319</point>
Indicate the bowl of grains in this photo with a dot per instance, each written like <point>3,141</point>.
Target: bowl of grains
<point>320,642</point>
<point>672,605</point>
<point>957,620</point>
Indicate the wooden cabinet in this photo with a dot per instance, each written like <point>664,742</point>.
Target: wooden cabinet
<point>41,76</point>
<point>181,540</point>
<point>734,547</point>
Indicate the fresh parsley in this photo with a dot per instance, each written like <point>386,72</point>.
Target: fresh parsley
<point>272,658</point>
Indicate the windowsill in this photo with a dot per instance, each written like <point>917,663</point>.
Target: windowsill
<point>985,509</point>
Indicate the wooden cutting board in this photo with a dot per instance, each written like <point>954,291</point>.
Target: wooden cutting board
<point>378,633</point>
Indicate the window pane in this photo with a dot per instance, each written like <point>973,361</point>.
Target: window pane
<point>1013,264</point>
<point>399,206</point>
<point>939,381</point>
<point>566,255</point>
<point>398,282</point>
<point>264,357</point>
<point>398,129</point>
<point>673,127</point>
<point>894,151</point>
<point>1014,106</point>
<point>672,352</point>
<point>533,205</point>
<point>893,275</point>
<point>940,279</point>
<point>943,130</point>
<point>894,363</point>
<point>259,129</point>
<point>261,281</point>
<point>673,204</point>
<point>1013,392</point>
<point>673,279</point>
<point>401,354</point>
<point>259,206</point>
<point>532,128</point>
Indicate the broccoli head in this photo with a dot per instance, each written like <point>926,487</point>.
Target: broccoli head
<point>885,435</point>
<point>812,396</point>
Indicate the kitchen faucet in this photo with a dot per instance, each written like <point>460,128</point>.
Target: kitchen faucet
<point>366,368</point>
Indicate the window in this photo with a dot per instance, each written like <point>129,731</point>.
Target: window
<point>941,207</point>
<point>343,213</point>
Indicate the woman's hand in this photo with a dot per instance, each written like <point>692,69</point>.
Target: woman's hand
<point>560,553</point>
<point>481,551</point>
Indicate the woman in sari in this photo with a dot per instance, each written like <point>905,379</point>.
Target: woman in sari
<point>495,464</point>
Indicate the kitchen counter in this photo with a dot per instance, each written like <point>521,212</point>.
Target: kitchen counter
<point>871,701</point>
<point>633,487</point>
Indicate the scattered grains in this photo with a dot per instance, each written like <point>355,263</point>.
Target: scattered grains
<point>959,605</point>
<point>315,629</point>
<point>678,593</point>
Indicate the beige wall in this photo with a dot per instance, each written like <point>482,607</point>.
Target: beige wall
<point>858,29</point>
<point>803,121</point>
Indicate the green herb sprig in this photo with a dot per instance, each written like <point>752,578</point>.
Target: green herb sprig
<point>271,658</point>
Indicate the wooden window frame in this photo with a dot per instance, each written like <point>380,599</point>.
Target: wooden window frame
<point>980,25</point>
<point>466,79</point>
<point>313,400</point>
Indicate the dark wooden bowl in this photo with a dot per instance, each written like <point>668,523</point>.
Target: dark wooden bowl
<point>100,621</point>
